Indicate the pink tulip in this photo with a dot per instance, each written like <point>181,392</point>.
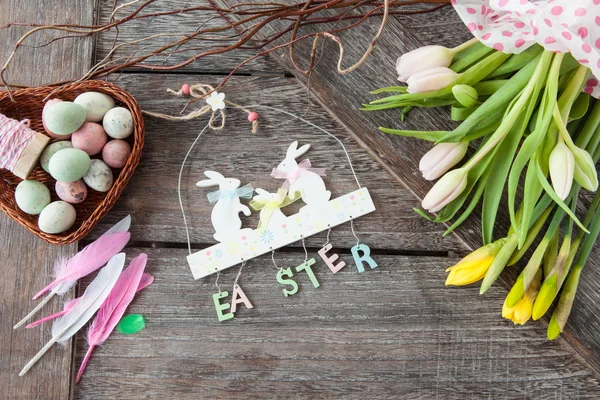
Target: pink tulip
<point>421,59</point>
<point>431,79</point>
<point>445,190</point>
<point>441,158</point>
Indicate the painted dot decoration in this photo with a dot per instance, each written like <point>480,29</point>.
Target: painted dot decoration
<point>511,26</point>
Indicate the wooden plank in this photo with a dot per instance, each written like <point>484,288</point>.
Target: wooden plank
<point>236,152</point>
<point>389,331</point>
<point>400,155</point>
<point>185,23</point>
<point>28,261</point>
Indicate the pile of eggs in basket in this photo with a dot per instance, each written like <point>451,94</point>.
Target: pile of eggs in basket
<point>90,126</point>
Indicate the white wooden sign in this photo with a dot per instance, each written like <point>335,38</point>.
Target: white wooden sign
<point>250,243</point>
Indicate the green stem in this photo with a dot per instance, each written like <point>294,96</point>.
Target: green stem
<point>465,45</point>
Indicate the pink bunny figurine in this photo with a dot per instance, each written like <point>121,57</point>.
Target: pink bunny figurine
<point>301,177</point>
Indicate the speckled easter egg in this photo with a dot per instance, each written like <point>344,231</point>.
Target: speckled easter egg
<point>99,177</point>
<point>116,152</point>
<point>118,123</point>
<point>57,217</point>
<point>71,192</point>
<point>48,131</point>
<point>64,117</point>
<point>89,138</point>
<point>69,165</point>
<point>96,105</point>
<point>51,150</point>
<point>32,196</point>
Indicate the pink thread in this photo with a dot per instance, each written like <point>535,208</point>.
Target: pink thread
<point>14,138</point>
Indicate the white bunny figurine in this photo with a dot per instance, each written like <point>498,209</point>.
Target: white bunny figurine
<point>225,214</point>
<point>270,205</point>
<point>301,177</point>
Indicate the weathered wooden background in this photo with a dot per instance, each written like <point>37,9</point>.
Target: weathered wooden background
<point>391,332</point>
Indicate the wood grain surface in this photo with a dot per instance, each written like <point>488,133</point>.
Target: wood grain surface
<point>392,332</point>
<point>26,260</point>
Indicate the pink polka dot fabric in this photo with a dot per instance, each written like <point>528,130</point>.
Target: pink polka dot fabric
<point>562,26</point>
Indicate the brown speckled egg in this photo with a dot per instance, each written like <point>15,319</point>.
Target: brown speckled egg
<point>116,152</point>
<point>89,138</point>
<point>48,131</point>
<point>71,192</point>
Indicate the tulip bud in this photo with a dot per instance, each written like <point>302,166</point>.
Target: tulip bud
<point>562,165</point>
<point>441,158</point>
<point>431,79</point>
<point>422,58</point>
<point>466,95</point>
<point>585,170</point>
<point>445,190</point>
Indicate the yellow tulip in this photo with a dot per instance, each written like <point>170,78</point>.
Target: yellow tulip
<point>473,267</point>
<point>521,311</point>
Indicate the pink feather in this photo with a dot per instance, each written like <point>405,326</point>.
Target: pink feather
<point>114,307</point>
<point>92,257</point>
<point>146,280</point>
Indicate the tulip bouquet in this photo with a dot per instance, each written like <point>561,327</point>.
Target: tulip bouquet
<point>535,134</point>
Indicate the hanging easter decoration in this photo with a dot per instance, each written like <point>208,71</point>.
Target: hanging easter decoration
<point>319,214</point>
<point>301,182</point>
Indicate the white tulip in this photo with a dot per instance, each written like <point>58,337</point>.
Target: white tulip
<point>562,167</point>
<point>441,158</point>
<point>422,58</point>
<point>431,79</point>
<point>445,190</point>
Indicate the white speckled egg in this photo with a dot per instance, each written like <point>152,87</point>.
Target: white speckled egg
<point>116,152</point>
<point>99,177</point>
<point>69,165</point>
<point>118,123</point>
<point>71,192</point>
<point>51,150</point>
<point>63,118</point>
<point>89,138</point>
<point>96,105</point>
<point>57,217</point>
<point>32,196</point>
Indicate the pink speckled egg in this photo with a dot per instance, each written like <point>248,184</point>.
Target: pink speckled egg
<point>48,131</point>
<point>116,152</point>
<point>71,192</point>
<point>89,138</point>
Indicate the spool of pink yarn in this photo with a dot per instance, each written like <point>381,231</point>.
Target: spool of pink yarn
<point>20,146</point>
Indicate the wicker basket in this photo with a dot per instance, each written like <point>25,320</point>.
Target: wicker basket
<point>29,104</point>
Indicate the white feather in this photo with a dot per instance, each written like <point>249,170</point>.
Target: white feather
<point>121,226</point>
<point>91,300</point>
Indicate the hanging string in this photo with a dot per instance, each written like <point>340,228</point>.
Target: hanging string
<point>328,233</point>
<point>237,277</point>
<point>354,233</point>
<point>217,281</point>
<point>305,251</point>
<point>273,259</point>
<point>185,224</point>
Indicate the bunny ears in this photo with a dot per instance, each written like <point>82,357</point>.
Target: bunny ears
<point>215,179</point>
<point>294,152</point>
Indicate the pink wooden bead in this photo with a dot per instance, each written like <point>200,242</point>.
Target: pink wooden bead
<point>253,116</point>
<point>185,88</point>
